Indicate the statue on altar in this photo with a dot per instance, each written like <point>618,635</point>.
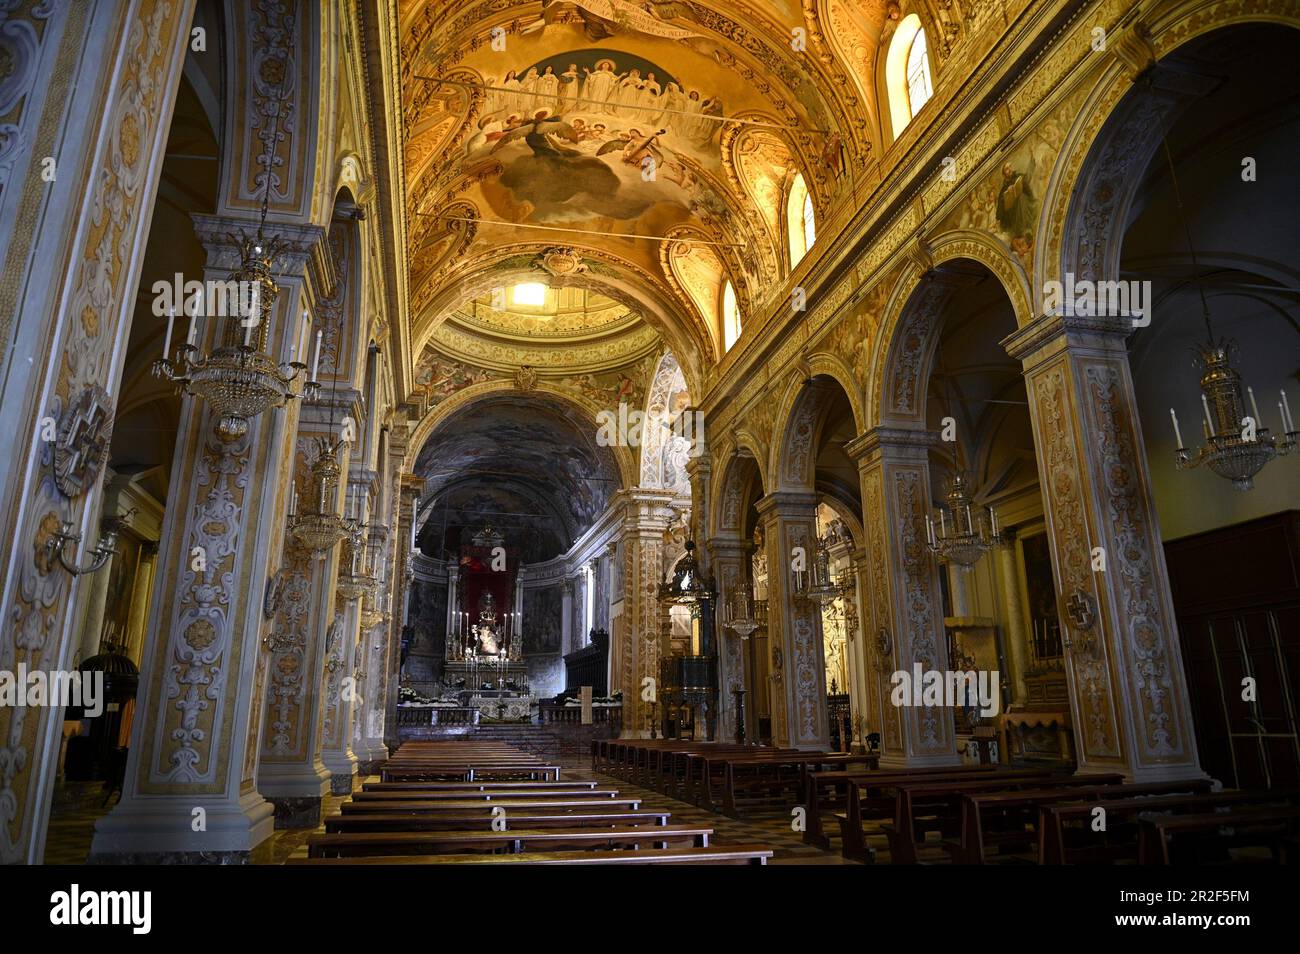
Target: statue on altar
<point>487,640</point>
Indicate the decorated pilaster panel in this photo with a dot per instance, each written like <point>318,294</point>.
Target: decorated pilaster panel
<point>291,766</point>
<point>798,668</point>
<point>903,586</point>
<point>91,86</point>
<point>1129,699</point>
<point>728,558</point>
<point>645,520</point>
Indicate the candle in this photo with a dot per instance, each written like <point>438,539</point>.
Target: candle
<point>970,524</point>
<point>1282,414</point>
<point>1254,408</point>
<point>993,520</point>
<point>1209,421</point>
<point>293,504</point>
<point>189,337</point>
<point>167,344</point>
<point>302,337</point>
<point>315,365</point>
<point>1178,435</point>
<point>1289,422</point>
<point>248,334</point>
<point>943,525</point>
<point>929,530</point>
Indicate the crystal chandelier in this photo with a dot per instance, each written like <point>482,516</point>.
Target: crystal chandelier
<point>739,613</point>
<point>817,587</point>
<point>355,580</point>
<point>239,378</point>
<point>959,537</point>
<point>320,529</point>
<point>1236,446</point>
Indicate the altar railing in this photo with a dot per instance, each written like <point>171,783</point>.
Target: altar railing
<point>412,716</point>
<point>551,714</point>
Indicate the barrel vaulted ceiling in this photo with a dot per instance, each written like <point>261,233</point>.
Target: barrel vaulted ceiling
<point>562,197</point>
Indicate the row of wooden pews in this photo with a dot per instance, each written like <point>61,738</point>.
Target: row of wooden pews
<point>1040,814</point>
<point>470,802</point>
<point>715,775</point>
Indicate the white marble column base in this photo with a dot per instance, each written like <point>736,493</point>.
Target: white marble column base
<point>153,829</point>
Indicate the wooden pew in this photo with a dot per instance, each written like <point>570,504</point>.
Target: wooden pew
<point>508,842</point>
<point>1258,825</point>
<point>775,772</point>
<point>873,796</point>
<point>714,855</point>
<point>475,786</point>
<point>467,821</point>
<point>932,805</point>
<point>469,772</point>
<point>487,794</point>
<point>1065,835</point>
<point>822,791</point>
<point>416,806</point>
<point>1010,819</point>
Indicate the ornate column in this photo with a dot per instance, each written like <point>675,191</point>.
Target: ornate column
<point>94,86</point>
<point>142,586</point>
<point>903,616</point>
<point>798,669</point>
<point>862,655</point>
<point>566,615</point>
<point>729,554</point>
<point>407,496</point>
<point>1128,697</point>
<point>194,747</point>
<point>645,519</point>
<point>1017,640</point>
<point>292,774</point>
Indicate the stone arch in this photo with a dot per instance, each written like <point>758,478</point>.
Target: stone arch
<point>1081,225</point>
<point>802,418</point>
<point>663,450</point>
<point>623,458</point>
<point>728,500</point>
<point>685,336</point>
<point>826,364</point>
<point>908,333</point>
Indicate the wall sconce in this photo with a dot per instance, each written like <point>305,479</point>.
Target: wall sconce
<point>104,550</point>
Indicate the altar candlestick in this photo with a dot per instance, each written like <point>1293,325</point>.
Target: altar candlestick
<point>167,344</point>
<point>1178,434</point>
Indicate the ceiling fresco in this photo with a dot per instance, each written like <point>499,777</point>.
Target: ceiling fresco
<point>653,138</point>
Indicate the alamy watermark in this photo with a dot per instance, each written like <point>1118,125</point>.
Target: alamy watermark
<point>33,688</point>
<point>629,428</point>
<point>946,687</point>
<point>1117,299</point>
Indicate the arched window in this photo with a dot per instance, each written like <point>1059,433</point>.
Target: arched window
<point>919,90</point>
<point>799,220</point>
<point>730,317</point>
<point>907,73</point>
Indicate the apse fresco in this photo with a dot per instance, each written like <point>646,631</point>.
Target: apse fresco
<point>528,440</point>
<point>542,619</point>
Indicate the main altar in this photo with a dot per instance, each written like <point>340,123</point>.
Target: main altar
<point>483,667</point>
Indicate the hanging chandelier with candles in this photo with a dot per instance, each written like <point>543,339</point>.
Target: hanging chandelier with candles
<point>320,529</point>
<point>1237,446</point>
<point>962,535</point>
<point>739,613</point>
<point>818,586</point>
<point>239,379</point>
<point>355,579</point>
